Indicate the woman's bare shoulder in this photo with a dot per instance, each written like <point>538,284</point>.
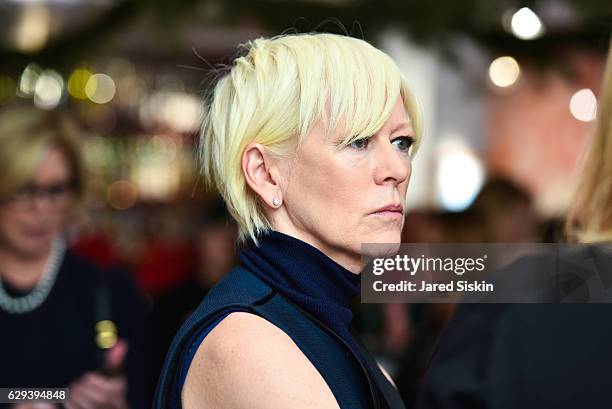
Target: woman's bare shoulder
<point>248,362</point>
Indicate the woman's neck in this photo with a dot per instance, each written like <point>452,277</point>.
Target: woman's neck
<point>21,271</point>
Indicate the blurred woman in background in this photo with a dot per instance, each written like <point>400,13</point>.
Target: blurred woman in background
<point>65,323</point>
<point>590,217</point>
<point>533,356</point>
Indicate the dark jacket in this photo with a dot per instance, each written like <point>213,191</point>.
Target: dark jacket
<point>528,356</point>
<point>54,344</point>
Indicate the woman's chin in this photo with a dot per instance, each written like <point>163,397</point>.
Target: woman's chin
<point>386,247</point>
<point>381,245</point>
<point>392,236</point>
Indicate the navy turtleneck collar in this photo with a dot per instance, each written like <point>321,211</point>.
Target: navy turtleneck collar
<point>310,279</point>
<point>304,275</point>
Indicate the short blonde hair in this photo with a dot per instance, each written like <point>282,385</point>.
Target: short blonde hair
<point>590,218</point>
<point>278,91</point>
<point>25,132</point>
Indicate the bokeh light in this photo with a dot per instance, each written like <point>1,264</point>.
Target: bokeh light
<point>504,71</point>
<point>32,30</point>
<point>526,24</point>
<point>177,110</point>
<point>156,169</point>
<point>460,175</point>
<point>100,88</point>
<point>77,82</point>
<point>28,79</point>
<point>122,195</point>
<point>583,105</point>
<point>48,89</point>
<point>182,112</point>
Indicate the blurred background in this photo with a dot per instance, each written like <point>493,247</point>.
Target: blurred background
<point>508,90</point>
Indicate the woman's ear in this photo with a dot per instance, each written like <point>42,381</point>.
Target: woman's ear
<point>260,172</point>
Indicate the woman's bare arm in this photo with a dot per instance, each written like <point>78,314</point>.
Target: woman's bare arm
<point>247,362</point>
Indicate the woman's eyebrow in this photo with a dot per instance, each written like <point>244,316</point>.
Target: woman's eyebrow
<point>403,126</point>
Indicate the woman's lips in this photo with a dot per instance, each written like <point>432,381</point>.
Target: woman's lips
<point>391,210</point>
<point>36,233</point>
<point>387,213</point>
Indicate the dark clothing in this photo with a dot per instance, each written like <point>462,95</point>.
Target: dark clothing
<point>54,344</point>
<point>170,310</point>
<point>307,295</point>
<point>307,277</point>
<point>502,356</point>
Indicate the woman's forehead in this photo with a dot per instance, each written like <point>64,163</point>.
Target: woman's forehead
<point>53,164</point>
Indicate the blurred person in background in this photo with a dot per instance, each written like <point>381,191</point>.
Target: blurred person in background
<point>213,243</point>
<point>165,257</point>
<point>532,356</point>
<point>399,326</point>
<point>309,138</point>
<point>505,213</point>
<point>502,212</point>
<point>65,322</point>
<point>423,323</point>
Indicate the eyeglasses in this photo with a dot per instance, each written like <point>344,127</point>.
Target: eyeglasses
<point>58,194</point>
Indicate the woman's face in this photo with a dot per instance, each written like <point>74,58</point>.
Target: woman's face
<point>332,198</point>
<point>32,217</point>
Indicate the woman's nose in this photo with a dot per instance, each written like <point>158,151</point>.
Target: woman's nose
<point>42,202</point>
<point>392,166</point>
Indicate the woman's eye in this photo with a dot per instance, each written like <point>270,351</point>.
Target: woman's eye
<point>360,143</point>
<point>404,143</point>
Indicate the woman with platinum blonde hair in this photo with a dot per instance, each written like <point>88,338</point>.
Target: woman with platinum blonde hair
<point>309,139</point>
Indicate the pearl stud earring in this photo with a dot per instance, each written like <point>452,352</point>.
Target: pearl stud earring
<point>276,202</point>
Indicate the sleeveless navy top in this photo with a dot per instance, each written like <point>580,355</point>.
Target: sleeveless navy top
<point>303,285</point>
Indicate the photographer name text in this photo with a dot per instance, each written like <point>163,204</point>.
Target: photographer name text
<point>452,286</point>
